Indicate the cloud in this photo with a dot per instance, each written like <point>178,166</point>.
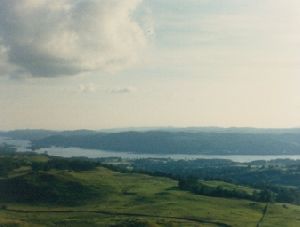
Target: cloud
<point>122,90</point>
<point>92,88</point>
<point>50,38</point>
<point>87,88</point>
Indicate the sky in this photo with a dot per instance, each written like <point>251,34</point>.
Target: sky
<point>94,64</point>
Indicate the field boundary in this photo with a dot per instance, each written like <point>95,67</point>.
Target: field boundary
<point>259,223</point>
<point>112,213</point>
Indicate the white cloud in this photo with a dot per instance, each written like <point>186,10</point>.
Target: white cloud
<point>122,90</point>
<point>48,38</point>
<point>87,88</point>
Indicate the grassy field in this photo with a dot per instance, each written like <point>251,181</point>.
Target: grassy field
<point>127,199</point>
<point>227,186</point>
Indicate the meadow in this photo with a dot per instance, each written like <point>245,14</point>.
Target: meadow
<point>131,199</point>
<point>40,190</point>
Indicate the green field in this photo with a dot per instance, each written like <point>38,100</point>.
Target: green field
<point>227,186</point>
<point>128,199</point>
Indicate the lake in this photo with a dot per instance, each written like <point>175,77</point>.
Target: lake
<point>23,146</point>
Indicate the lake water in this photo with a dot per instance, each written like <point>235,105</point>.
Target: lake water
<point>23,145</point>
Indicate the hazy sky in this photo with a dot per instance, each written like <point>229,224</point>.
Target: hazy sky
<point>68,64</point>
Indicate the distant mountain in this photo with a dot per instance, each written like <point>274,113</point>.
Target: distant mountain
<point>239,130</point>
<point>35,134</point>
<point>163,142</point>
<point>28,134</point>
<point>205,129</point>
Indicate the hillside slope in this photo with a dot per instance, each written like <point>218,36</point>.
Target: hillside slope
<point>142,200</point>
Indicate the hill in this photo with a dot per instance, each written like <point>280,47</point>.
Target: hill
<point>35,134</point>
<point>130,199</point>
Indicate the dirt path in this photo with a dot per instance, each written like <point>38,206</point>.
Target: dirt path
<point>112,213</point>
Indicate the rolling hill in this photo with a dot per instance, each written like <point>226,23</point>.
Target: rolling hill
<point>123,199</point>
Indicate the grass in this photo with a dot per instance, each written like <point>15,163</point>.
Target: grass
<point>282,215</point>
<point>129,199</point>
<point>228,186</point>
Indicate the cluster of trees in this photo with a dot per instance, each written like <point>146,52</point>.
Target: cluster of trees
<point>286,194</point>
<point>6,149</point>
<point>7,163</point>
<point>74,164</point>
<point>197,187</point>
